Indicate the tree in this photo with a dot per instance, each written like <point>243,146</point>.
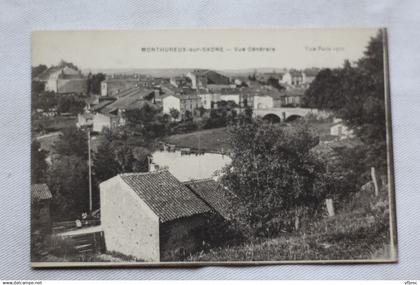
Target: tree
<point>116,156</point>
<point>188,116</point>
<point>37,87</point>
<point>37,70</point>
<point>94,83</point>
<point>147,122</point>
<point>64,63</point>
<point>275,83</point>
<point>174,113</point>
<point>274,175</point>
<point>73,141</point>
<point>356,94</point>
<point>38,164</point>
<point>43,100</point>
<point>70,104</point>
<point>69,184</point>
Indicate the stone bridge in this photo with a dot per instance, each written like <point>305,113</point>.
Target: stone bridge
<point>286,114</point>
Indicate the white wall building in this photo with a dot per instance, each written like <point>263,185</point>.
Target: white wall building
<point>230,97</point>
<point>151,215</point>
<point>340,130</point>
<point>208,98</point>
<point>171,102</point>
<point>263,102</point>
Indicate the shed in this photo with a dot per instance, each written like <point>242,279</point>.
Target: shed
<point>40,207</point>
<point>151,216</point>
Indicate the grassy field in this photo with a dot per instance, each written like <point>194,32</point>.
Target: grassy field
<point>55,124</point>
<point>356,235</point>
<point>214,140</point>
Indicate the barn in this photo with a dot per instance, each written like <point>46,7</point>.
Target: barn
<point>153,216</point>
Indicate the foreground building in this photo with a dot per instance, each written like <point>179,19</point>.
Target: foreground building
<point>153,216</point>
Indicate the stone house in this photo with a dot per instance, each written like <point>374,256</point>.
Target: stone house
<point>181,102</point>
<point>63,79</point>
<point>154,217</point>
<point>101,121</point>
<point>200,78</point>
<point>40,207</point>
<point>293,78</point>
<point>292,97</point>
<point>208,99</point>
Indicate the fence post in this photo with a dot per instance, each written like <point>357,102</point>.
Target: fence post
<point>330,207</point>
<point>375,182</point>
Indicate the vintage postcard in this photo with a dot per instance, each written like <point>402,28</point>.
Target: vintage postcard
<point>211,147</point>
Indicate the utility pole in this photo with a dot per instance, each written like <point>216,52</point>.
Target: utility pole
<point>90,173</point>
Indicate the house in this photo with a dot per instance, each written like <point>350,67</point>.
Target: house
<point>308,75</point>
<point>181,102</point>
<point>84,120</point>
<point>230,94</point>
<point>200,78</point>
<point>103,102</point>
<point>293,78</point>
<point>151,216</point>
<point>133,98</point>
<point>208,99</point>
<point>263,102</point>
<point>63,79</point>
<point>40,207</point>
<point>110,113</point>
<point>115,84</point>
<point>340,130</point>
<point>180,81</point>
<point>109,121</point>
<point>292,97</point>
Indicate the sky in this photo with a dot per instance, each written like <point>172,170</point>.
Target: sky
<point>121,49</point>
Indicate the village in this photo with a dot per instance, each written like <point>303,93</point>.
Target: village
<point>131,166</point>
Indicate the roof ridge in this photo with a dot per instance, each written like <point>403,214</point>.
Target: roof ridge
<point>199,180</point>
<point>142,173</point>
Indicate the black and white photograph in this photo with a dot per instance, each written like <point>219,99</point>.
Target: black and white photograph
<point>192,147</point>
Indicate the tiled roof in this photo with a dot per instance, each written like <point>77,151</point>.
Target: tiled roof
<point>40,192</point>
<point>294,92</point>
<point>47,73</point>
<point>311,72</point>
<point>165,195</point>
<point>130,98</point>
<point>102,105</point>
<point>47,141</point>
<point>213,194</point>
<point>295,73</point>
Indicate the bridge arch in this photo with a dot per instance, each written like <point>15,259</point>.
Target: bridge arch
<point>292,118</point>
<point>272,118</point>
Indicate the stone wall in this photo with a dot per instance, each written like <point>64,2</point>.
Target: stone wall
<point>130,226</point>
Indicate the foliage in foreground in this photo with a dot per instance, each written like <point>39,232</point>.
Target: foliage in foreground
<point>275,176</point>
<point>360,234</point>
